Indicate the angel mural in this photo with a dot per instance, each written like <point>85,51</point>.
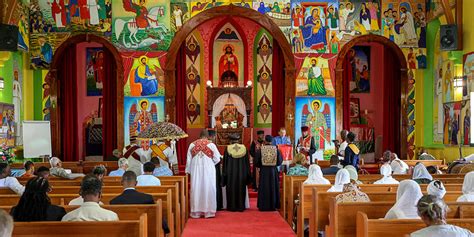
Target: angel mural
<point>193,112</point>
<point>192,49</point>
<point>141,116</point>
<point>264,78</point>
<point>264,107</point>
<point>192,78</point>
<point>264,49</point>
<point>318,122</point>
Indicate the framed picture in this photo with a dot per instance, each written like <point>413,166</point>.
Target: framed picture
<point>94,71</point>
<point>99,110</point>
<point>355,111</point>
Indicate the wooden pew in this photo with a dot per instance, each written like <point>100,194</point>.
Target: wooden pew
<point>128,228</point>
<point>395,228</point>
<point>88,166</point>
<point>342,216</point>
<point>424,162</point>
<point>131,212</point>
<point>75,167</point>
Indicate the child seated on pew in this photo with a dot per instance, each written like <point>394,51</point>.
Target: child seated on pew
<point>408,194</point>
<point>432,211</point>
<point>467,188</point>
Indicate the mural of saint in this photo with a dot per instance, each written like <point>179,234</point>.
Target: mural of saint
<point>178,17</point>
<point>298,17</point>
<point>314,33</point>
<point>315,79</point>
<point>17,92</point>
<point>42,57</point>
<point>345,8</point>
<point>228,61</point>
<point>467,127</point>
<point>448,85</point>
<point>59,13</point>
<point>140,11</point>
<point>365,19</point>
<point>408,25</point>
<point>317,122</point>
<point>145,77</point>
<point>142,118</point>
<point>374,10</point>
<point>194,110</point>
<point>332,18</point>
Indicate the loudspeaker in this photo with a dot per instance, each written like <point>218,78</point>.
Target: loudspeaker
<point>8,37</point>
<point>449,37</point>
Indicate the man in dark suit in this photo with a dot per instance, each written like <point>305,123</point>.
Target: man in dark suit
<point>132,196</point>
<point>334,166</point>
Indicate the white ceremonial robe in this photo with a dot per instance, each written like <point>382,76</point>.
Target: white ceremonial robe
<point>442,231</point>
<point>93,12</point>
<point>203,181</point>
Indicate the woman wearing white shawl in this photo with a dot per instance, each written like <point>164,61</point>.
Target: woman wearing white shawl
<point>408,194</point>
<point>315,176</point>
<point>398,166</point>
<point>342,177</point>
<point>421,174</point>
<point>436,188</point>
<point>353,173</point>
<point>467,188</point>
<point>387,178</point>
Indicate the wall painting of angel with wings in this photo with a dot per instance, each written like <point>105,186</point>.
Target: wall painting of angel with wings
<point>140,112</point>
<point>319,114</point>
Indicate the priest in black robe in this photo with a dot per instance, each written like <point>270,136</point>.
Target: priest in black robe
<point>268,159</point>
<point>236,174</point>
<point>220,206</point>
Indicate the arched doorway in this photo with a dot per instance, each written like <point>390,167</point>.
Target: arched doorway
<point>112,103</point>
<point>399,67</point>
<point>174,98</point>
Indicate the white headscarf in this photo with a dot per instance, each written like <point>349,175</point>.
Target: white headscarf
<point>467,188</point>
<point>398,166</point>
<point>315,176</point>
<point>387,178</point>
<point>54,161</point>
<point>408,194</point>
<point>342,177</point>
<point>436,188</point>
<point>352,172</point>
<point>420,172</point>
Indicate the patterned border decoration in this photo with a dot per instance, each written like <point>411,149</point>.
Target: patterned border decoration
<point>195,81</point>
<point>263,56</point>
<point>411,115</point>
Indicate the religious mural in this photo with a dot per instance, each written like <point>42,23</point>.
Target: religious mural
<point>278,11</point>
<point>416,57</point>
<point>404,22</point>
<point>143,73</point>
<point>74,15</point>
<point>18,15</point>
<point>468,69</point>
<point>143,25</point>
<point>179,14</point>
<point>465,122</point>
<point>411,115</point>
<point>194,80</point>
<point>451,128</point>
<point>315,74</point>
<point>359,57</point>
<point>140,112</point>
<point>228,54</point>
<point>7,123</point>
<point>263,57</point>
<point>319,114</point>
<point>42,48</point>
<point>94,71</point>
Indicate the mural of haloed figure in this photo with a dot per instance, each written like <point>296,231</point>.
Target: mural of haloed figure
<point>319,114</point>
<point>143,73</point>
<point>140,112</point>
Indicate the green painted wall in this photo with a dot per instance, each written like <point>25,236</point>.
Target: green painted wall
<point>38,94</point>
<point>6,72</point>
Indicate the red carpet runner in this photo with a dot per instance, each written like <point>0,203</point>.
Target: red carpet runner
<point>251,222</point>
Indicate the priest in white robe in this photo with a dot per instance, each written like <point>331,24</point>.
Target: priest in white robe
<point>202,157</point>
<point>136,156</point>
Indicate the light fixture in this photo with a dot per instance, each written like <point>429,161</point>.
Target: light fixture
<point>457,82</point>
<point>249,83</point>
<point>2,83</point>
<point>209,83</point>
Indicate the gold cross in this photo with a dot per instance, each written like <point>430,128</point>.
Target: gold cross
<point>236,148</point>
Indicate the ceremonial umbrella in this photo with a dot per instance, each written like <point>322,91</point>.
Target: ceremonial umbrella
<point>162,131</point>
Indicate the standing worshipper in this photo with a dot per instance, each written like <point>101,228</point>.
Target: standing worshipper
<point>408,194</point>
<point>202,157</point>
<point>351,154</point>
<point>254,149</point>
<point>267,159</point>
<point>306,144</point>
<point>219,189</point>
<point>282,139</point>
<point>341,151</point>
<point>236,174</point>
<point>283,142</point>
<point>135,156</point>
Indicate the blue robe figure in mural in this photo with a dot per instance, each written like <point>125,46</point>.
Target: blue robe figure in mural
<point>144,76</point>
<point>314,33</point>
<point>262,8</point>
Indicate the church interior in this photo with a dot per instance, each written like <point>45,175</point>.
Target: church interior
<point>84,80</point>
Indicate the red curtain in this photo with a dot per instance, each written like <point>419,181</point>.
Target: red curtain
<point>347,76</point>
<point>68,105</point>
<point>109,105</point>
<point>392,103</point>
<point>180,99</point>
<point>278,89</point>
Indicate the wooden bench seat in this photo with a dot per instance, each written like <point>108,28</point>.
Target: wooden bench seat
<point>127,228</point>
<point>395,228</point>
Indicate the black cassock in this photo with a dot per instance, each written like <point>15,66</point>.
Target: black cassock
<point>236,176</point>
<point>219,186</point>
<point>269,187</point>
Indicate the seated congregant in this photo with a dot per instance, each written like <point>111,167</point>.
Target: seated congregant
<point>315,176</point>
<point>433,169</point>
<point>6,224</point>
<point>342,177</point>
<point>147,178</point>
<point>43,172</point>
<point>436,188</point>
<point>334,166</point>
<point>421,174</point>
<point>123,166</point>
<point>432,211</point>
<point>353,174</point>
<point>29,170</point>
<point>129,194</point>
<point>425,156</point>
<point>160,168</point>
<point>91,190</point>
<point>35,205</point>
<point>298,169</point>
<point>58,170</point>
<point>6,181</point>
<point>408,194</point>
<point>352,193</point>
<point>99,171</point>
<point>386,172</point>
<point>398,166</point>
<point>467,188</point>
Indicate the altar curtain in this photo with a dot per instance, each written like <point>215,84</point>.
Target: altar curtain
<point>220,103</point>
<point>180,99</point>
<point>346,109</point>
<point>278,89</point>
<point>392,103</point>
<point>109,105</point>
<point>68,105</point>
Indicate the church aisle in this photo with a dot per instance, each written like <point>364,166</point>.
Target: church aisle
<point>251,222</point>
